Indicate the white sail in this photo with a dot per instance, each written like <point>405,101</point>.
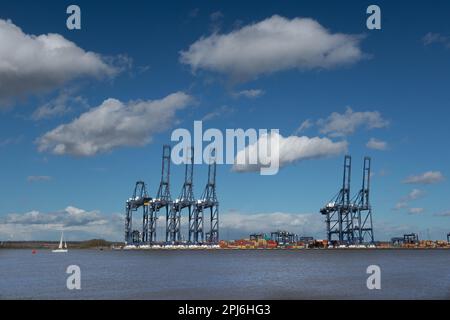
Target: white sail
<point>60,247</point>
<point>61,241</point>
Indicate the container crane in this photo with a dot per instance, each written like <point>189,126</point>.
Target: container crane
<point>338,211</point>
<point>186,200</point>
<point>208,201</point>
<point>139,199</point>
<point>362,210</point>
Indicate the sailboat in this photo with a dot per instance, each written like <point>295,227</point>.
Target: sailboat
<point>61,248</point>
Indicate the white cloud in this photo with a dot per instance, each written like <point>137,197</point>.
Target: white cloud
<point>216,20</point>
<point>386,229</point>
<point>114,124</point>
<point>77,223</point>
<point>11,141</point>
<point>376,144</point>
<point>251,93</point>
<point>431,38</point>
<point>63,103</point>
<point>428,177</point>
<point>38,178</point>
<point>401,205</point>
<point>216,15</point>
<point>272,45</point>
<point>235,225</point>
<point>194,13</point>
<point>223,111</point>
<point>337,124</point>
<point>291,149</point>
<point>415,210</point>
<point>304,126</point>
<point>443,214</point>
<point>30,63</point>
<point>414,194</point>
<point>70,216</point>
<point>267,222</point>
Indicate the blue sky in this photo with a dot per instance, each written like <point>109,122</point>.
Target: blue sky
<point>398,78</point>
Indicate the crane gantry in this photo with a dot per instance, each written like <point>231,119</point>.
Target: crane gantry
<point>139,199</point>
<point>349,221</point>
<point>151,207</point>
<point>207,203</point>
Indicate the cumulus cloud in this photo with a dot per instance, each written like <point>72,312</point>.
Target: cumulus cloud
<point>251,93</point>
<point>217,15</point>
<point>70,216</point>
<point>291,149</point>
<point>11,141</point>
<point>272,45</point>
<point>404,202</point>
<point>38,178</point>
<point>222,111</point>
<point>443,214</point>
<point>299,223</point>
<point>235,225</point>
<point>114,124</point>
<point>79,223</point>
<point>62,104</point>
<point>194,13</point>
<point>304,126</point>
<point>376,144</point>
<point>337,124</point>
<point>401,205</point>
<point>30,63</point>
<point>415,210</point>
<point>428,177</point>
<point>216,19</point>
<point>432,38</point>
<point>415,194</point>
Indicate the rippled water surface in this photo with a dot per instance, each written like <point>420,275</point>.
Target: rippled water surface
<point>221,274</point>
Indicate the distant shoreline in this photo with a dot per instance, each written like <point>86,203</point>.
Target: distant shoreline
<point>87,244</point>
<point>100,244</point>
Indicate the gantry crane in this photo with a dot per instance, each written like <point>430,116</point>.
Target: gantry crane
<point>362,210</point>
<point>186,200</point>
<point>162,200</point>
<point>207,201</point>
<point>173,209</point>
<point>338,211</point>
<point>139,199</point>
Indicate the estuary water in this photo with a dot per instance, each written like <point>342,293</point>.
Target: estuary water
<point>225,274</point>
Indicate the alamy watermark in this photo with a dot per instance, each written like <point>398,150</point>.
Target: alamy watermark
<point>373,22</point>
<point>374,280</point>
<point>73,281</point>
<point>249,150</point>
<point>73,21</point>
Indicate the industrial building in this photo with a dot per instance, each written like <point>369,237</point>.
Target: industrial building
<point>407,239</point>
<point>196,210</point>
<point>274,240</point>
<point>411,240</point>
<point>284,237</point>
<point>281,237</point>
